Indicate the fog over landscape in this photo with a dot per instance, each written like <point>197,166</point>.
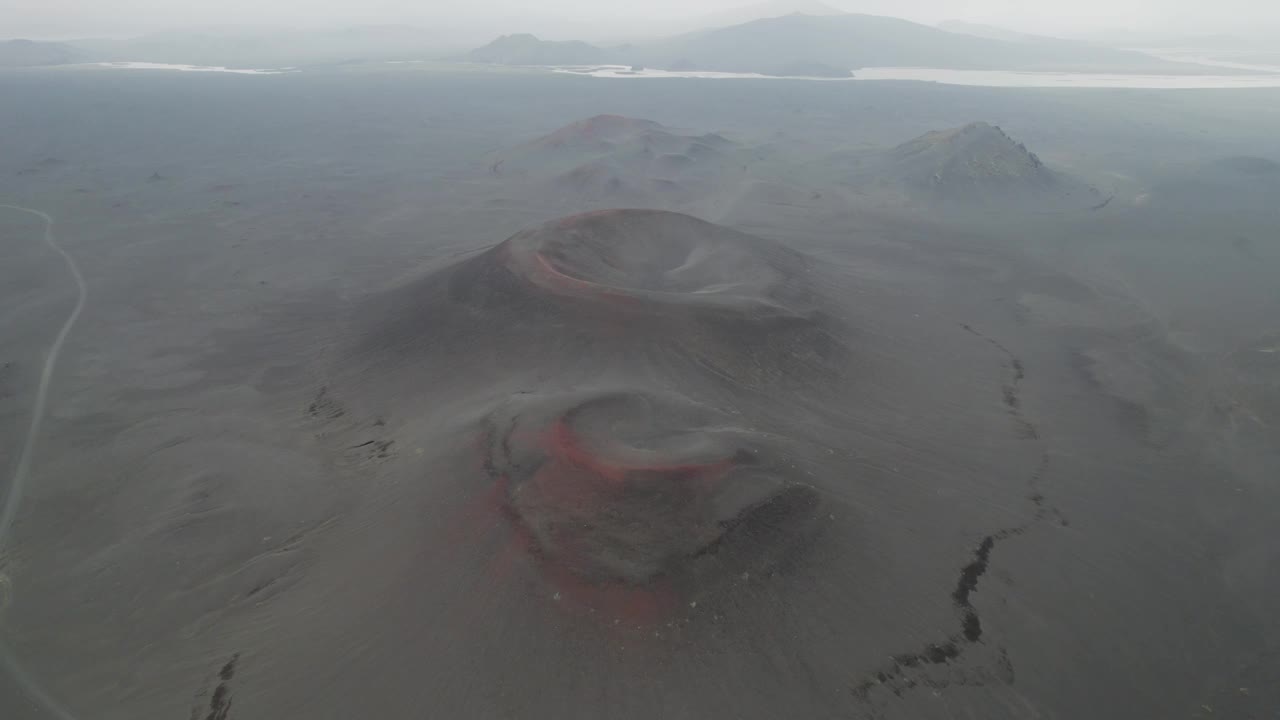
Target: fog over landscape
<point>1143,20</point>
<point>700,360</point>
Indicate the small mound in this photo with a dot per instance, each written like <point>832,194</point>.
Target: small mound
<point>597,178</point>
<point>662,257</point>
<point>668,187</point>
<point>975,152</point>
<point>702,150</point>
<point>715,140</point>
<point>611,161</point>
<point>633,487</point>
<point>979,165</point>
<point>674,161</point>
<point>598,129</point>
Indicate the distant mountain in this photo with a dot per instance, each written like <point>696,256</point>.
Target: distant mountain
<point>762,10</point>
<point>524,49</point>
<point>991,32</point>
<point>832,43</point>
<point>28,53</point>
<point>856,41</point>
<point>1046,43</point>
<point>977,166</point>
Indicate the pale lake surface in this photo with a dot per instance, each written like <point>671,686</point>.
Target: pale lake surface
<point>190,68</point>
<point>985,78</point>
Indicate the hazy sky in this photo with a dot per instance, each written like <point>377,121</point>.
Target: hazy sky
<point>46,18</point>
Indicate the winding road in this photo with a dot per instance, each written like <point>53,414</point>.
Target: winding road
<point>13,498</point>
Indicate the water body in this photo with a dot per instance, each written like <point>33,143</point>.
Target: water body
<point>191,68</point>
<point>1211,57</point>
<point>983,78</point>
<point>1004,78</point>
<point>625,71</point>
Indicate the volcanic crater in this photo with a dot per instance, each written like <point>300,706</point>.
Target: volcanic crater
<point>637,487</point>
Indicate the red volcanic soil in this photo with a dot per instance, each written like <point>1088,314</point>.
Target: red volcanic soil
<point>628,501</point>
<point>580,492</point>
<point>569,450</point>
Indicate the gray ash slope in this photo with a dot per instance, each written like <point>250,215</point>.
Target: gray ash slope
<point>635,429</point>
<point>209,523</point>
<point>1240,184</point>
